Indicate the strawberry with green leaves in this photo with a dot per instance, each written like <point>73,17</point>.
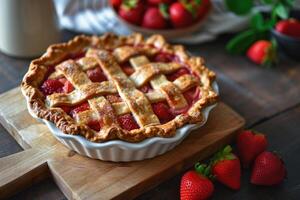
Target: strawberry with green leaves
<point>226,168</point>
<point>195,185</point>
<point>156,18</point>
<point>268,169</point>
<point>262,52</point>
<point>182,14</point>
<point>250,144</point>
<point>132,11</point>
<point>290,27</point>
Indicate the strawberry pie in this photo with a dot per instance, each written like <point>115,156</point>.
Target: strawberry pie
<point>118,87</point>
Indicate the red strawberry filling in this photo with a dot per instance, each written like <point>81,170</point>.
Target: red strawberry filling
<point>96,75</point>
<point>128,70</point>
<point>182,71</point>
<point>82,107</point>
<point>61,85</point>
<point>95,125</point>
<point>192,95</point>
<point>165,57</point>
<point>146,88</point>
<point>51,86</point>
<point>67,109</point>
<point>127,122</point>
<point>68,87</point>
<point>162,111</point>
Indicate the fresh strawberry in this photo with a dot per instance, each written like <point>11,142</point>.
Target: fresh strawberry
<point>162,111</point>
<point>114,98</point>
<point>154,19</point>
<point>182,71</point>
<point>226,168</point>
<point>127,122</point>
<point>132,11</point>
<point>192,95</point>
<point>195,185</point>
<point>268,169</point>
<point>79,108</point>
<point>157,2</point>
<point>115,3</point>
<point>290,27</point>
<point>96,75</point>
<point>262,52</point>
<point>181,15</point>
<point>146,88</point>
<point>203,9</point>
<point>95,125</point>
<point>51,86</point>
<point>250,145</point>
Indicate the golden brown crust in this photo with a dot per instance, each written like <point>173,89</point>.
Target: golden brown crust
<point>57,53</point>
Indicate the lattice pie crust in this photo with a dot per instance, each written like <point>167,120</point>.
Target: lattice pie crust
<point>109,52</point>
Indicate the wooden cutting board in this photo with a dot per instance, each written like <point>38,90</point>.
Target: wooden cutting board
<point>83,178</point>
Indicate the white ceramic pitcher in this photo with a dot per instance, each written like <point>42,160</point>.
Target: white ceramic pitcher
<point>27,27</point>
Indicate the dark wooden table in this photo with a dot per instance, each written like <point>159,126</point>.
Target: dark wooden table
<point>269,99</point>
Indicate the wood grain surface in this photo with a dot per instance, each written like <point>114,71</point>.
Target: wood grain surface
<point>83,178</point>
<point>267,98</point>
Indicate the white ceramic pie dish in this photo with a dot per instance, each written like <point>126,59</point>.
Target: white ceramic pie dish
<point>121,151</point>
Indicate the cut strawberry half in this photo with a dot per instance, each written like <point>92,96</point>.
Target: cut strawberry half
<point>114,98</point>
<point>83,107</point>
<point>94,124</point>
<point>96,75</point>
<point>68,87</point>
<point>182,71</point>
<point>127,122</point>
<point>192,95</point>
<point>162,110</point>
<point>51,86</point>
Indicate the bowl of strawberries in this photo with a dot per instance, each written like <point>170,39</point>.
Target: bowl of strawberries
<point>287,34</point>
<point>170,18</point>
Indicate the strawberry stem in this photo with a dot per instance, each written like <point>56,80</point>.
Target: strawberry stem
<point>227,149</point>
<point>199,168</point>
<point>198,2</point>
<point>130,3</point>
<point>163,8</point>
<point>223,154</point>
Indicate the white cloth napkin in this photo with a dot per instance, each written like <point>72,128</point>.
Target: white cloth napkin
<point>95,17</point>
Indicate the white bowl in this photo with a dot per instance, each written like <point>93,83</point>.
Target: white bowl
<point>121,151</point>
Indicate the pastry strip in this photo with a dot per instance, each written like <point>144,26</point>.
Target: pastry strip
<point>137,102</point>
<point>84,87</point>
<point>172,93</point>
